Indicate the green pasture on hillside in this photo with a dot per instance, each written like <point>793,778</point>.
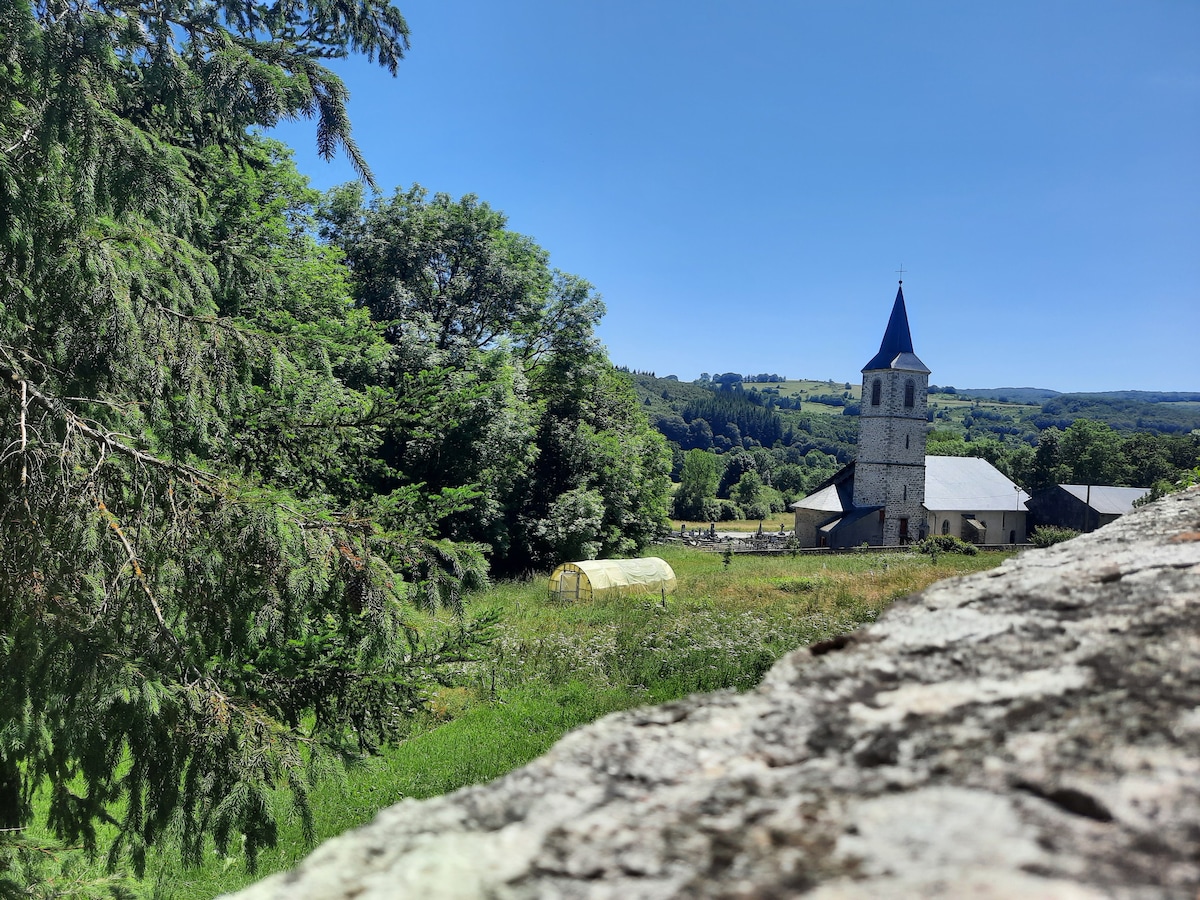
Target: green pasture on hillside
<point>556,666</point>
<point>805,386</point>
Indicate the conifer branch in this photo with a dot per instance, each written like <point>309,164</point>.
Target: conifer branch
<point>140,576</point>
<point>102,437</point>
<point>21,140</point>
<point>219,321</point>
<point>24,434</point>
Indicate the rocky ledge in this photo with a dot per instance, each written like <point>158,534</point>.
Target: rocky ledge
<point>1032,732</point>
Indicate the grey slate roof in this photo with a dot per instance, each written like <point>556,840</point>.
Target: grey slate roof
<point>969,484</point>
<point>1106,499</point>
<point>849,518</point>
<point>896,350</point>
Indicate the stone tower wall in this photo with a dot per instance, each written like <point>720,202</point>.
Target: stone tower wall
<point>890,467</point>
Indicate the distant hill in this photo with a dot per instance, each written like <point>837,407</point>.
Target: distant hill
<point>1144,396</point>
<point>824,414</point>
<point>800,431</point>
<point>1001,394</point>
<point>1039,395</point>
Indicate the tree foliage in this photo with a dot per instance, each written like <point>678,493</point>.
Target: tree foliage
<point>446,272</point>
<point>543,441</point>
<point>697,484</point>
<point>201,596</point>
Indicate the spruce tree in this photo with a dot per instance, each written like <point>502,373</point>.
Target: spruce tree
<point>196,606</point>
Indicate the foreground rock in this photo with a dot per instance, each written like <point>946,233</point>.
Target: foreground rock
<point>1029,732</point>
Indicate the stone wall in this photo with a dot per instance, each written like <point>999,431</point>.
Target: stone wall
<point>1030,732</point>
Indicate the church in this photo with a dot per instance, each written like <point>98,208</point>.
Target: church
<point>893,493</point>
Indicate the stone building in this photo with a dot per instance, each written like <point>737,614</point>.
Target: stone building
<point>893,493</point>
<point>1084,507</point>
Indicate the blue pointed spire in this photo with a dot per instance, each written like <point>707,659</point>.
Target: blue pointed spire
<point>896,350</point>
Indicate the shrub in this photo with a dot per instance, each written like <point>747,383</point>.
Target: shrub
<point>1049,535</point>
<point>758,509</point>
<point>728,511</point>
<point>945,543</point>
<point>1163,487</point>
<point>721,511</point>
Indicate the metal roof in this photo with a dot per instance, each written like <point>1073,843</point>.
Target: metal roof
<point>968,484</point>
<point>825,500</point>
<point>952,484</point>
<point>1106,499</point>
<point>896,350</point>
<point>834,494</point>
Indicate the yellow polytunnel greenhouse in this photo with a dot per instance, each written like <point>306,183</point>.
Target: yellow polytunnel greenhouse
<point>593,578</point>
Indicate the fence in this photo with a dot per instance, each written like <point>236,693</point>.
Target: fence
<point>771,544</point>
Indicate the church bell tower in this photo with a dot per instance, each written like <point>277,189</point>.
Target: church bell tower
<point>889,471</point>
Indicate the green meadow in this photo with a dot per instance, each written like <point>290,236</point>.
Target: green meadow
<point>556,666</point>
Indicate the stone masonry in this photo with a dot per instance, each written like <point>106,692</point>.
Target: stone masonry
<point>1028,732</point>
<point>889,468</point>
<point>890,465</point>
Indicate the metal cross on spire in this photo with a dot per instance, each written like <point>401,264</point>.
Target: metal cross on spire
<point>901,271</point>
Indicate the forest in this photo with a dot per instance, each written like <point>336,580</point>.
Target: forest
<point>252,432</point>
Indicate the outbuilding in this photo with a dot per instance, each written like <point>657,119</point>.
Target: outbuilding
<point>1084,507</point>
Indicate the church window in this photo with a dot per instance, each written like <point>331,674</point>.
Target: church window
<point>906,493</point>
<point>876,392</point>
<point>946,526</point>
<point>910,393</point>
<point>906,442</point>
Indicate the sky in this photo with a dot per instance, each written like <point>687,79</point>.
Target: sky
<point>742,181</point>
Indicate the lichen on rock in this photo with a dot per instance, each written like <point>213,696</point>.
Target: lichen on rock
<point>1033,731</point>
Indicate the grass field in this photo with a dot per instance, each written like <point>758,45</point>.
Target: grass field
<point>805,388</point>
<point>556,666</point>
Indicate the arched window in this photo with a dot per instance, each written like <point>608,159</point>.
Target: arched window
<point>876,392</point>
<point>946,527</point>
<point>910,393</point>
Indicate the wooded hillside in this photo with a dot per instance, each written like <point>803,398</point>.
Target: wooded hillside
<point>792,434</point>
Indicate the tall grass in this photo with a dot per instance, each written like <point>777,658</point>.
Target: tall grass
<point>558,665</point>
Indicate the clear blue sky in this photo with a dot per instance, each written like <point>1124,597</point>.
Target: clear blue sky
<point>741,180</point>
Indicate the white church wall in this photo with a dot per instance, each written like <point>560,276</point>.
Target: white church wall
<point>1003,526</point>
